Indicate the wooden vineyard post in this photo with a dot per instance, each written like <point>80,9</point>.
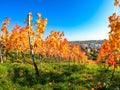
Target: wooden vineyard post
<point>30,43</point>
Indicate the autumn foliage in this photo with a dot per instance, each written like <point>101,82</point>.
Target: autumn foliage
<point>110,49</point>
<point>54,45</point>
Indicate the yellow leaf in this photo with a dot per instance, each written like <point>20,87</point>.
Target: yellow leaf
<point>116,2</point>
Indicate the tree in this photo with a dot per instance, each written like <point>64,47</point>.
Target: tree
<point>4,38</point>
<point>111,47</point>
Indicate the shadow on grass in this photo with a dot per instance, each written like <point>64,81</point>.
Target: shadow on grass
<point>59,78</point>
<point>108,79</point>
<point>26,77</point>
<point>23,77</point>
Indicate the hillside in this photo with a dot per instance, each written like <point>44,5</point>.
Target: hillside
<point>55,76</point>
<point>88,42</point>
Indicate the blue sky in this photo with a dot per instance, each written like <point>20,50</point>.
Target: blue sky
<point>79,19</point>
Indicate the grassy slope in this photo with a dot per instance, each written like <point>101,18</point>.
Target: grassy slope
<point>53,77</point>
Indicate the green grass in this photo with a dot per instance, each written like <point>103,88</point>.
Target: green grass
<point>53,76</point>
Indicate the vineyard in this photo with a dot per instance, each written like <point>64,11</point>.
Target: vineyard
<point>30,61</point>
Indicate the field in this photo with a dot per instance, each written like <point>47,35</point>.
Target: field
<point>57,76</point>
<point>31,61</point>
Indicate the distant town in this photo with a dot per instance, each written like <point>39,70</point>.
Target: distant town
<point>91,47</point>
